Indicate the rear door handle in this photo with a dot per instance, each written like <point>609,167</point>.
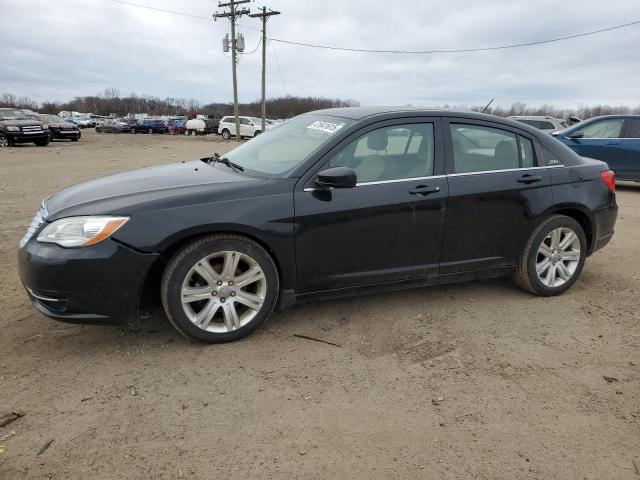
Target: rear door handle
<point>424,190</point>
<point>526,178</point>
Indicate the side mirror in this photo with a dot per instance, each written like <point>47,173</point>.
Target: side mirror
<point>577,134</point>
<point>337,177</point>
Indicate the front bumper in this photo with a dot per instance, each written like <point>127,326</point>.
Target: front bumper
<point>97,284</point>
<point>23,137</point>
<point>60,134</point>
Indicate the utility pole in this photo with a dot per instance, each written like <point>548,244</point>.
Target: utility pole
<point>233,14</point>
<point>264,16</point>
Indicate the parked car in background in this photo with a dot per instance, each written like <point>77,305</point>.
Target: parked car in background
<point>176,126</point>
<point>249,127</point>
<point>16,127</point>
<point>112,126</point>
<point>331,203</point>
<point>211,125</point>
<point>614,139</point>
<point>148,125</point>
<point>546,124</point>
<point>59,129</point>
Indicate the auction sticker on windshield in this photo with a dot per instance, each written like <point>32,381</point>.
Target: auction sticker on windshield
<point>327,127</point>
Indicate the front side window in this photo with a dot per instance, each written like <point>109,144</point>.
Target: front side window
<point>390,153</point>
<point>604,129</point>
<point>479,149</point>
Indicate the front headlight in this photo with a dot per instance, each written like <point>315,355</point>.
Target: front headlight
<point>80,231</point>
<point>13,129</point>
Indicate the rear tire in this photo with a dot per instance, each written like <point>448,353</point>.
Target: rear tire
<point>553,257</point>
<point>219,288</point>
<point>132,131</point>
<point>226,134</point>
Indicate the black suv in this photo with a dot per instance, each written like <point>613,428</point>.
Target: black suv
<point>16,127</point>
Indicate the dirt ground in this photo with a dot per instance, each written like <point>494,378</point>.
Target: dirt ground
<point>477,380</point>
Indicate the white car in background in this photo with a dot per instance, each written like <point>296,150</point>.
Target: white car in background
<point>249,127</point>
<point>546,124</point>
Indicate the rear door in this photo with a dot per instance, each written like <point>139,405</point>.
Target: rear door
<point>496,190</point>
<point>246,127</point>
<point>389,227</point>
<point>629,167</point>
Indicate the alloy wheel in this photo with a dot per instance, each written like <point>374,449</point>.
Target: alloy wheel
<point>223,292</point>
<point>4,141</point>
<point>558,257</point>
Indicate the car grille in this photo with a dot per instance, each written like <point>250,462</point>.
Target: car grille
<point>37,221</point>
<point>32,129</point>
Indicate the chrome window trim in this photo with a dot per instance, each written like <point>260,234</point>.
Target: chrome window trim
<point>399,180</point>
<point>383,182</point>
<point>504,170</point>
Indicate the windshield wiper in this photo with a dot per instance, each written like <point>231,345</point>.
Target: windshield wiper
<point>224,160</point>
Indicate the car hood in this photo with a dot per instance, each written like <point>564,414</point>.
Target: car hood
<point>119,193</point>
<point>18,123</point>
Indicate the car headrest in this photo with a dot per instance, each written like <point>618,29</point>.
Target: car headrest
<point>377,140</point>
<point>506,152</point>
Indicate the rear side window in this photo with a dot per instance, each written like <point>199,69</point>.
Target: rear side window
<point>225,120</point>
<point>481,149</point>
<point>527,155</point>
<point>634,132</point>
<point>604,129</point>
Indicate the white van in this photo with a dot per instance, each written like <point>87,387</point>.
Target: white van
<point>249,127</point>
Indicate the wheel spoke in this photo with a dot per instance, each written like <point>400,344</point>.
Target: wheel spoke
<point>194,294</point>
<point>550,278</point>
<point>555,237</point>
<point>543,266</point>
<point>204,317</point>
<point>571,256</point>
<point>251,300</point>
<point>545,250</point>
<point>250,276</point>
<point>567,240</point>
<point>206,271</point>
<point>231,320</point>
<point>564,273</point>
<point>230,266</point>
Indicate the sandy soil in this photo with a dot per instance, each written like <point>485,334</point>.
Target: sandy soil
<point>477,380</point>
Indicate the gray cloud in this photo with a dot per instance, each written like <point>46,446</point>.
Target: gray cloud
<point>56,50</point>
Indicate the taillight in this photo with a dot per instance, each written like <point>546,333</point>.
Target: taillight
<point>609,179</point>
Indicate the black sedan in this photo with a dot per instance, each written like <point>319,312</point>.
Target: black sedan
<point>331,203</point>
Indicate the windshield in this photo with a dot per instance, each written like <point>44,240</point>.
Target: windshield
<point>12,115</point>
<point>280,150</point>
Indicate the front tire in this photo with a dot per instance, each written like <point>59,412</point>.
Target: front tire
<point>42,143</point>
<point>5,141</point>
<point>219,288</point>
<point>553,257</point>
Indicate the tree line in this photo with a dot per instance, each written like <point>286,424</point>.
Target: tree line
<point>110,102</point>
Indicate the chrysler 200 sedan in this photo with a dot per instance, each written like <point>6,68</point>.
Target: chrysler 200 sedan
<point>331,203</point>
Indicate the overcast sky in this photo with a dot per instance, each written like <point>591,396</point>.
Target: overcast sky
<point>60,49</point>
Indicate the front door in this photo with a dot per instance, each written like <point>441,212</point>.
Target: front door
<point>387,228</point>
<point>496,189</point>
<point>601,140</point>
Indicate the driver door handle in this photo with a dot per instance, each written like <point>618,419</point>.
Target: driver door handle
<point>530,178</point>
<point>424,190</point>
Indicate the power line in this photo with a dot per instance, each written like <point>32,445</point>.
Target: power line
<point>395,51</point>
<point>275,54</point>
<point>458,50</point>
